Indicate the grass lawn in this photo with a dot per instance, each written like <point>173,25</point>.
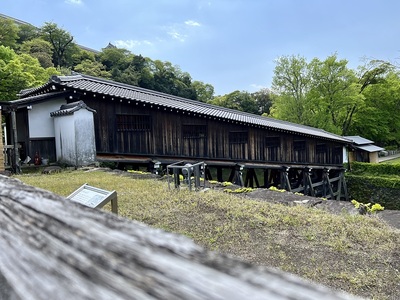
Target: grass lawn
<point>358,254</point>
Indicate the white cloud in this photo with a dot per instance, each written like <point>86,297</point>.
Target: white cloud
<point>192,23</point>
<point>175,34</point>
<point>181,32</point>
<point>132,44</point>
<point>74,2</point>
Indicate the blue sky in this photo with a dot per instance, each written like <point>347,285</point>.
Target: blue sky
<point>231,44</point>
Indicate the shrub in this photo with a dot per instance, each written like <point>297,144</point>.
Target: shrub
<point>374,189</point>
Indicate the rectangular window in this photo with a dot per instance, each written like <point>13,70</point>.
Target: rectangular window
<point>133,123</point>
<point>321,149</point>
<point>194,131</point>
<point>273,145</point>
<point>321,152</point>
<point>238,137</point>
<point>273,141</point>
<point>338,155</point>
<point>299,151</point>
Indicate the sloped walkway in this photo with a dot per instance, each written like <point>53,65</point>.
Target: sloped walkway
<point>390,157</point>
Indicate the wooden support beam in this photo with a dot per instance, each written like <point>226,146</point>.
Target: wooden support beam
<point>53,248</point>
<point>251,178</point>
<point>219,174</point>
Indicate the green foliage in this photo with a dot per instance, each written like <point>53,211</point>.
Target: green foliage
<point>238,100</point>
<point>381,169</point>
<point>274,188</point>
<point>239,190</point>
<point>379,119</point>
<point>204,91</point>
<point>92,68</point>
<point>26,72</point>
<point>62,43</point>
<point>366,207</point>
<point>40,49</point>
<point>8,33</point>
<point>375,189</point>
<point>323,94</point>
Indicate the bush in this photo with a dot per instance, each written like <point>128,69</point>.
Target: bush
<point>375,169</point>
<point>375,189</point>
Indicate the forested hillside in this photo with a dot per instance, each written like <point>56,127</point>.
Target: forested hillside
<point>321,93</point>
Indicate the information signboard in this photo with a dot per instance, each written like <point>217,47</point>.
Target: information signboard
<point>94,197</point>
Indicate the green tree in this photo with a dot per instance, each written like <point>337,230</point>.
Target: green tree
<point>263,99</point>
<point>18,72</point>
<point>8,33</point>
<point>62,42</point>
<point>379,119</point>
<point>290,84</point>
<point>334,96</point>
<point>204,91</point>
<point>238,100</point>
<point>27,32</point>
<point>115,58</point>
<point>93,68</point>
<point>40,49</point>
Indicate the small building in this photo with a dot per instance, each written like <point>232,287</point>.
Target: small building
<point>364,150</point>
<point>74,134</point>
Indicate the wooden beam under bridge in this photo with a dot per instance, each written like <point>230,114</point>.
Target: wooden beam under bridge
<point>53,248</point>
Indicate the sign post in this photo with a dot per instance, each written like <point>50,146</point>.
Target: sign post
<point>94,197</point>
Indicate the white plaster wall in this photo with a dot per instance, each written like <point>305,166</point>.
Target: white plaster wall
<point>84,136</point>
<point>345,155</point>
<point>65,139</point>
<point>40,122</point>
<point>75,140</point>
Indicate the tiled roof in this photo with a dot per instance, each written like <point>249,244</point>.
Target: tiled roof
<point>122,91</point>
<point>370,148</point>
<point>358,140</point>
<point>69,109</point>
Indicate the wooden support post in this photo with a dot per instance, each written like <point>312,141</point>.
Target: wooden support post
<point>266,176</point>
<point>251,177</point>
<point>328,185</point>
<point>236,175</point>
<point>285,183</point>
<point>308,184</point>
<point>219,174</point>
<point>177,181</point>
<point>15,162</point>
<point>208,174</point>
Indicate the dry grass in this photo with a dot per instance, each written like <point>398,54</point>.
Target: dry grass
<point>357,254</point>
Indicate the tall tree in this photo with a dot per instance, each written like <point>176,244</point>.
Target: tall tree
<point>334,96</point>
<point>290,84</point>
<point>40,49</point>
<point>8,33</point>
<point>263,100</point>
<point>62,42</point>
<point>93,68</point>
<point>19,72</point>
<point>27,32</point>
<point>239,100</point>
<point>204,91</point>
<point>379,119</point>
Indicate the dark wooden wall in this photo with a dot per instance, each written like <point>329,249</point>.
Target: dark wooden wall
<point>174,134</point>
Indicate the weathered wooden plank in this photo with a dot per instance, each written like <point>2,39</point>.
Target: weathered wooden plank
<point>52,248</point>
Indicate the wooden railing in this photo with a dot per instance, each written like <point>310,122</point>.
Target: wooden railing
<point>53,248</point>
